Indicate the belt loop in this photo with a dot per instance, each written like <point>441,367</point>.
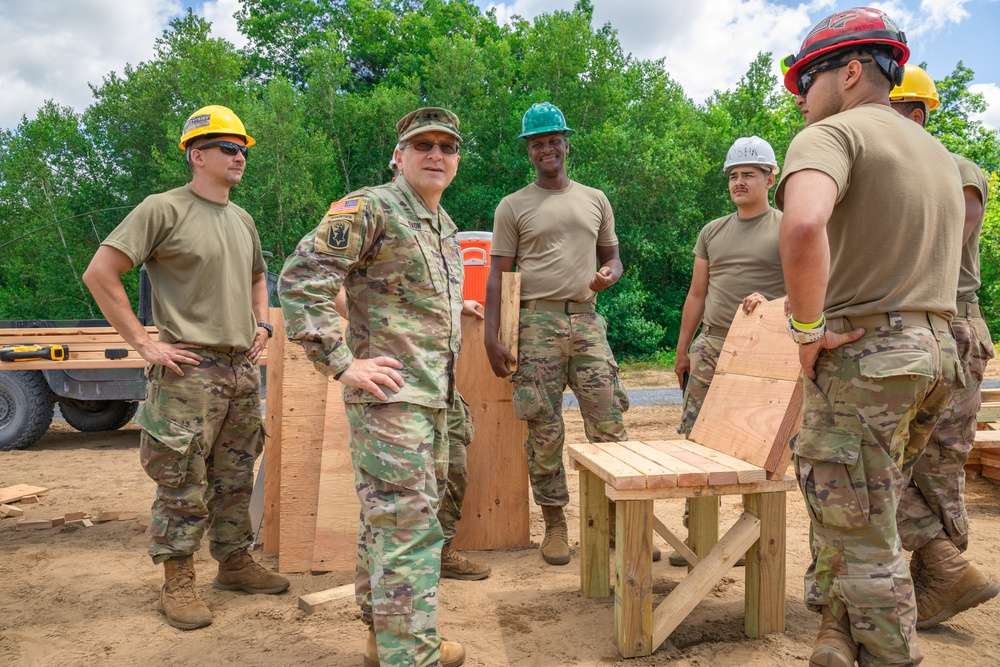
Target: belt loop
<point>896,321</point>
<point>566,308</point>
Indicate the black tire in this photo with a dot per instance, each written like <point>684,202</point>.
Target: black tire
<point>25,408</point>
<point>88,416</point>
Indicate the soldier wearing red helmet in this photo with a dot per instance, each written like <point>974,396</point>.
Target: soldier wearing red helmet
<point>871,259</point>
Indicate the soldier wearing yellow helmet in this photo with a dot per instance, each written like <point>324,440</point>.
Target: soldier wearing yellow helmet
<point>201,426</point>
<point>932,518</point>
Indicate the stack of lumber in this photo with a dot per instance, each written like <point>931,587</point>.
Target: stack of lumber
<point>986,455</point>
<point>86,348</point>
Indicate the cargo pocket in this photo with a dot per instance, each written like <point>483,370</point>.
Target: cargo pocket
<point>620,397</point>
<point>165,447</point>
<point>895,363</point>
<point>873,611</point>
<point>529,403</point>
<point>985,339</point>
<point>392,461</point>
<point>832,478</point>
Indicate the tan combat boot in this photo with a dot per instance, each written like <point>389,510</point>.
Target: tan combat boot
<point>240,572</point>
<point>452,653</point>
<point>835,647</point>
<point>179,600</point>
<point>456,566</point>
<point>951,584</point>
<point>555,544</point>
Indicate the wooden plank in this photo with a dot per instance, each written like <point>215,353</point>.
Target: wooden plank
<point>717,473</point>
<point>595,577</point>
<point>11,494</point>
<point>496,511</point>
<point>272,426</point>
<point>33,524</point>
<point>746,473</point>
<point>770,486</point>
<point>742,417</point>
<point>303,415</point>
<point>313,602</point>
<point>510,311</point>
<point>687,474</point>
<point>992,460</point>
<point>989,395</point>
<point>634,578</point>
<point>10,510</point>
<point>986,439</point>
<point>656,474</point>
<point>989,412</point>
<point>611,469</point>
<point>675,542</point>
<point>703,526</point>
<point>338,508</point>
<point>991,472</point>
<point>759,346</point>
<point>765,568</point>
<point>690,591</point>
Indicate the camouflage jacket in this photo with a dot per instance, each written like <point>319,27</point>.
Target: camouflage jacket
<point>402,270</point>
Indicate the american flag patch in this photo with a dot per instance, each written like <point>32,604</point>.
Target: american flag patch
<point>344,206</point>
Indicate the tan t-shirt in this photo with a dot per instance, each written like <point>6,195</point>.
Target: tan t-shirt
<point>743,258</point>
<point>200,257</point>
<point>968,277</point>
<point>553,237</point>
<point>894,244</point>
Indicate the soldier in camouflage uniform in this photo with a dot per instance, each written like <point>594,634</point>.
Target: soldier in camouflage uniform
<point>933,522</point>
<point>201,426</point>
<point>878,357</point>
<point>547,228</point>
<point>395,252</point>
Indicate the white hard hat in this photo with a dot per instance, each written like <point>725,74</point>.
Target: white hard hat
<point>753,151</point>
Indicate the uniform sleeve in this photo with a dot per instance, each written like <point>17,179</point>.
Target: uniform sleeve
<point>504,243</point>
<point>606,234</point>
<point>144,229</point>
<point>824,147</point>
<point>973,177</point>
<point>701,245</point>
<point>314,274</point>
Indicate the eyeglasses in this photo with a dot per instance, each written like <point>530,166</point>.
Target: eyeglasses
<point>807,79</point>
<point>447,147</point>
<point>227,147</point>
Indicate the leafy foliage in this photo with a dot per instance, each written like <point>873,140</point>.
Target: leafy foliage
<point>323,82</point>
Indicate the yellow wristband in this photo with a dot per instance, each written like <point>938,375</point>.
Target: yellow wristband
<point>806,327</point>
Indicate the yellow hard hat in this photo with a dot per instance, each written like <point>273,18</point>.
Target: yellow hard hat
<point>214,119</point>
<point>917,86</point>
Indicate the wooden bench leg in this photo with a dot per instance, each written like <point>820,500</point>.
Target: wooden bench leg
<point>634,577</point>
<point>703,525</point>
<point>765,571</point>
<point>595,560</point>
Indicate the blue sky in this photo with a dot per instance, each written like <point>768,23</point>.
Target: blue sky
<point>51,49</point>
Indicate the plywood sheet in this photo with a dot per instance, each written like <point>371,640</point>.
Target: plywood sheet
<point>759,346</point>
<point>10,494</point>
<point>495,513</point>
<point>272,427</point>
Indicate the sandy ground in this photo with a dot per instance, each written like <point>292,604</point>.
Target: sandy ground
<point>85,596</point>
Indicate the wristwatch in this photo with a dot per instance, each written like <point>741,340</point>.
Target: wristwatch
<point>267,327</point>
<point>805,336</point>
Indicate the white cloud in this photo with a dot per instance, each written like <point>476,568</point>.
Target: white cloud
<point>52,49</point>
<point>220,13</point>
<point>991,91</point>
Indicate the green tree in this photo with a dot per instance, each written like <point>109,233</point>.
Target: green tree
<point>953,125</point>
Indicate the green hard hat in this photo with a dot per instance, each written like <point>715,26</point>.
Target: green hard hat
<point>543,117</point>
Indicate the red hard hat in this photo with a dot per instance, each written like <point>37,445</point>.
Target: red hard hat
<point>850,28</point>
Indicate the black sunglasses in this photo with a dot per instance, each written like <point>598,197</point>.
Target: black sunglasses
<point>807,79</point>
<point>227,147</point>
<point>447,147</point>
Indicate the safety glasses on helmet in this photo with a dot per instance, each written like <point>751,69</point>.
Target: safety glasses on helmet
<point>807,79</point>
<point>227,147</point>
<point>447,147</point>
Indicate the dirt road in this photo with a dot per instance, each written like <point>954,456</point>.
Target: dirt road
<point>85,597</point>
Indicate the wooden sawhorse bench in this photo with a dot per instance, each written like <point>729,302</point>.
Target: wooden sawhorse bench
<point>739,446</point>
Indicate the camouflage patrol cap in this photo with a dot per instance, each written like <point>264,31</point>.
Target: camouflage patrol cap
<point>428,119</point>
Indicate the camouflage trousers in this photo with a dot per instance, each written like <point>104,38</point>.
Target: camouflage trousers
<point>399,452</point>
<point>201,434</point>
<point>556,350</point>
<point>704,355</point>
<point>934,502</point>
<point>866,419</point>
<point>451,488</point>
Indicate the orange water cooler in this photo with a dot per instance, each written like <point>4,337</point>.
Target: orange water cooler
<point>476,259</point>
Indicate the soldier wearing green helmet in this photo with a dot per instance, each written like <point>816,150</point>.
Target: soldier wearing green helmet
<point>545,229</point>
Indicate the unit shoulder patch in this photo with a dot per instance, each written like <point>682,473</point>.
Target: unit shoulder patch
<point>340,233</point>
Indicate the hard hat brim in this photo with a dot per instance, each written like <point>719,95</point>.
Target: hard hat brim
<point>547,130</point>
